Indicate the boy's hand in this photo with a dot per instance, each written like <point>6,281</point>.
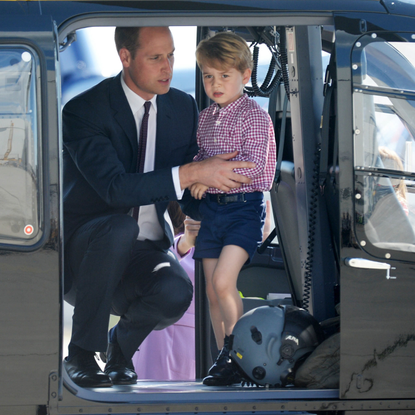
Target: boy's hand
<point>191,230</point>
<point>197,190</point>
<point>188,239</point>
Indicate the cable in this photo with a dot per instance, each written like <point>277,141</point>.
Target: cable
<point>278,68</point>
<point>269,83</point>
<point>284,61</point>
<point>312,219</point>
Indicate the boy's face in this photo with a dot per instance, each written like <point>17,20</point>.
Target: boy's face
<point>224,86</point>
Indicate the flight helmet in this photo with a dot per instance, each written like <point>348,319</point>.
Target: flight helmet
<point>269,343</point>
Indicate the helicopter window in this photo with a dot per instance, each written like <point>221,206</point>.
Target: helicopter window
<point>384,147</point>
<point>20,178</point>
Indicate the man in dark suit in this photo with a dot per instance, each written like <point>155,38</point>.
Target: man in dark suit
<point>114,261</point>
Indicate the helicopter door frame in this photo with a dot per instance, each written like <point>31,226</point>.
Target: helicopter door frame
<point>376,319</point>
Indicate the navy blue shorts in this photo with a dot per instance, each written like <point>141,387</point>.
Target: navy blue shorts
<point>236,223</point>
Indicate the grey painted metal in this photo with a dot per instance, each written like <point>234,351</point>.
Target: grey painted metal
<point>253,18</point>
<point>305,72</point>
<point>30,282</point>
<point>190,397</point>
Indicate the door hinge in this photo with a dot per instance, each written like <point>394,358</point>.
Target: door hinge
<point>53,398</point>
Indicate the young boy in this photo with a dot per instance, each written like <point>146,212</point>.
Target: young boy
<point>232,223</point>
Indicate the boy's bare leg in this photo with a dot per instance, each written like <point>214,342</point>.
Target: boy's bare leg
<point>224,300</point>
<point>225,276</point>
<point>209,265</point>
<point>226,308</point>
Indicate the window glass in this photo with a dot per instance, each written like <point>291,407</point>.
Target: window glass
<point>388,64</point>
<point>19,148</point>
<point>384,148</point>
<point>384,133</point>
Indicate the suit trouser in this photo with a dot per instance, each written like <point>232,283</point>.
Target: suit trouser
<point>111,271</point>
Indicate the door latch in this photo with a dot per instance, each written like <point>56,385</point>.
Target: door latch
<point>368,264</point>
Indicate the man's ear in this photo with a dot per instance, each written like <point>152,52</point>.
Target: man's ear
<point>125,57</point>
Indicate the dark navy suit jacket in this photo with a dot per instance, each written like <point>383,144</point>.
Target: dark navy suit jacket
<point>100,155</point>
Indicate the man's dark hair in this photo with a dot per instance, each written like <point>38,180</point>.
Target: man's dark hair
<point>127,37</point>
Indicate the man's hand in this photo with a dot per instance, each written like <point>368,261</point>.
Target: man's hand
<point>197,190</point>
<point>215,172</point>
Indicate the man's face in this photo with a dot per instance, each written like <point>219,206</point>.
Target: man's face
<point>151,70</point>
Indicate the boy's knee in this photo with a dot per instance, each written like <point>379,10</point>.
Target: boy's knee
<point>221,287</point>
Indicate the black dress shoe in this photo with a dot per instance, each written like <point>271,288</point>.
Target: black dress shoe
<point>117,368</point>
<point>223,375</point>
<point>223,372</point>
<point>221,362</point>
<point>84,371</point>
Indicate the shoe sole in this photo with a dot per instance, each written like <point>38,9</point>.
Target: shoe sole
<point>219,382</point>
<point>101,385</point>
<point>125,383</point>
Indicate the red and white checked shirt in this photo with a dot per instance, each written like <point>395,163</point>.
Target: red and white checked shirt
<point>243,126</point>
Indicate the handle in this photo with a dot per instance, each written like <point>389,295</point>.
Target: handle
<point>368,264</point>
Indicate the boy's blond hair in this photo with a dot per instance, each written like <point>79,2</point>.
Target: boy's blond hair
<point>224,50</point>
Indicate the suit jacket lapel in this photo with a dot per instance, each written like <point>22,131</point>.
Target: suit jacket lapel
<point>122,111</point>
<point>164,130</point>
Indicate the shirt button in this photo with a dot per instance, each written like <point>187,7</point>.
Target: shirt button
<point>217,122</point>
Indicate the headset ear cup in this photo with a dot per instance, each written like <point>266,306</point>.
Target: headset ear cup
<point>259,373</point>
<point>290,343</point>
<point>287,350</point>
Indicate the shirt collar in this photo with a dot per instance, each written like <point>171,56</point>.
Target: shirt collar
<point>232,105</point>
<point>135,101</point>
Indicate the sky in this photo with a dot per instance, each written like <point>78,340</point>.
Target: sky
<point>106,55</point>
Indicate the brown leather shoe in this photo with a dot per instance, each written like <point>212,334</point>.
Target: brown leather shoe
<point>85,372</point>
<point>117,368</point>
